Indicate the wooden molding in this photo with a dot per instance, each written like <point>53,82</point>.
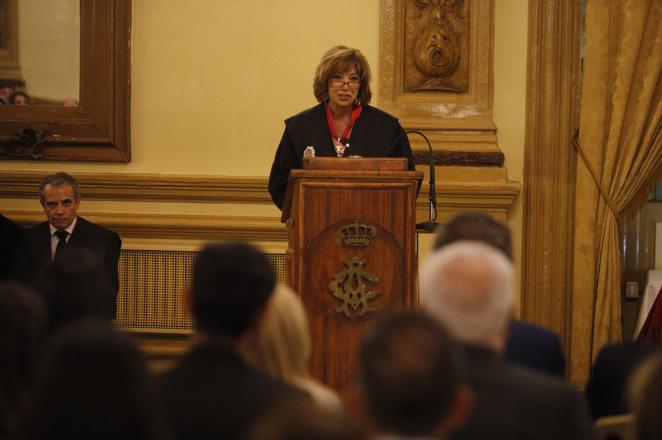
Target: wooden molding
<point>549,163</point>
<point>460,158</point>
<point>147,187</point>
<point>458,189</point>
<point>471,187</point>
<point>176,227</point>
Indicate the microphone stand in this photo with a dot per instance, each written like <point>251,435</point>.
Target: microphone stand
<point>431,224</point>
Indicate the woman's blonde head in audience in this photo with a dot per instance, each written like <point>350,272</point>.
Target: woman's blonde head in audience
<point>283,346</point>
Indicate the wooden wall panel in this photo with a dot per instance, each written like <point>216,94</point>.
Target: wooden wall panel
<point>549,163</point>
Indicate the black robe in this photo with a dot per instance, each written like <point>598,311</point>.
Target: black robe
<point>375,134</point>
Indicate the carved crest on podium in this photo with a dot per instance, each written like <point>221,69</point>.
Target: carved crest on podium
<point>349,286</point>
<point>357,234</point>
<point>352,274</point>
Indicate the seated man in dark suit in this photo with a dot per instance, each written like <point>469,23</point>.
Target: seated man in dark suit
<point>212,392</point>
<point>411,377</point>
<point>529,345</point>
<point>60,199</point>
<point>468,286</point>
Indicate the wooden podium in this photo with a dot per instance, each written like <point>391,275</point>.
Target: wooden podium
<point>351,227</point>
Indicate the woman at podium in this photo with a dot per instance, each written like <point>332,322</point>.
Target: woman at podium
<point>342,124</point>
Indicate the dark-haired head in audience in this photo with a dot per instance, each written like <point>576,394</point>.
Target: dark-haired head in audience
<point>20,98</point>
<point>297,420</point>
<point>475,226</point>
<point>22,326</point>
<point>75,286</point>
<point>212,392</point>
<point>92,384</point>
<point>230,287</point>
<point>6,93</point>
<point>645,393</point>
<point>411,377</point>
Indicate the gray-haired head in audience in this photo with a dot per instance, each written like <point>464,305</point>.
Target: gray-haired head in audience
<point>469,287</point>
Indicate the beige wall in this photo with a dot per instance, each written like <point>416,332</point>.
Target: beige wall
<point>213,80</point>
<point>510,51</point>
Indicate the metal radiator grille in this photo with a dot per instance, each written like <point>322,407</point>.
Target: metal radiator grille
<point>152,283</point>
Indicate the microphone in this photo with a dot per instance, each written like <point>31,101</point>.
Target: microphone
<point>431,224</point>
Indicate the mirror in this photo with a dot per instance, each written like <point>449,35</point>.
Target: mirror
<point>98,129</point>
<point>46,68</point>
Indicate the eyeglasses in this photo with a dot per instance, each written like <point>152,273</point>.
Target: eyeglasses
<point>339,83</point>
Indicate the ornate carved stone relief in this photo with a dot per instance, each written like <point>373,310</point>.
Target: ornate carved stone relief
<point>436,74</point>
<point>437,45</point>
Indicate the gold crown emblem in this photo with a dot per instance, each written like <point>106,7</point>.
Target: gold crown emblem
<point>356,234</point>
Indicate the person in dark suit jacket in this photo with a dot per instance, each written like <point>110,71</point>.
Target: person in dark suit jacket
<point>11,237</point>
<point>535,347</point>
<point>469,287</point>
<point>60,199</point>
<point>213,392</point>
<point>528,345</point>
<point>610,373</point>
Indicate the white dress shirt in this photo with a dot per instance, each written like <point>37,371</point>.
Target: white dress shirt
<point>54,238</point>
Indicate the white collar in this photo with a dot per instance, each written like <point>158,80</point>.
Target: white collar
<point>70,229</point>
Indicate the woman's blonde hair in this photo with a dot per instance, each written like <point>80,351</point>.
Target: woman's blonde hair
<point>337,60</point>
<point>283,345</point>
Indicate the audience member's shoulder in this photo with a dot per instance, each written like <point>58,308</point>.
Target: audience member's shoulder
<point>618,350</point>
<point>38,227</point>
<point>520,377</point>
<point>534,377</point>
<point>11,234</point>
<point>271,386</point>
<point>319,393</point>
<point>486,364</point>
<point>8,226</point>
<point>93,227</point>
<point>215,359</point>
<point>525,329</point>
<point>535,347</point>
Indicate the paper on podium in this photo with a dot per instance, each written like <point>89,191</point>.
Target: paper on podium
<point>652,289</point>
